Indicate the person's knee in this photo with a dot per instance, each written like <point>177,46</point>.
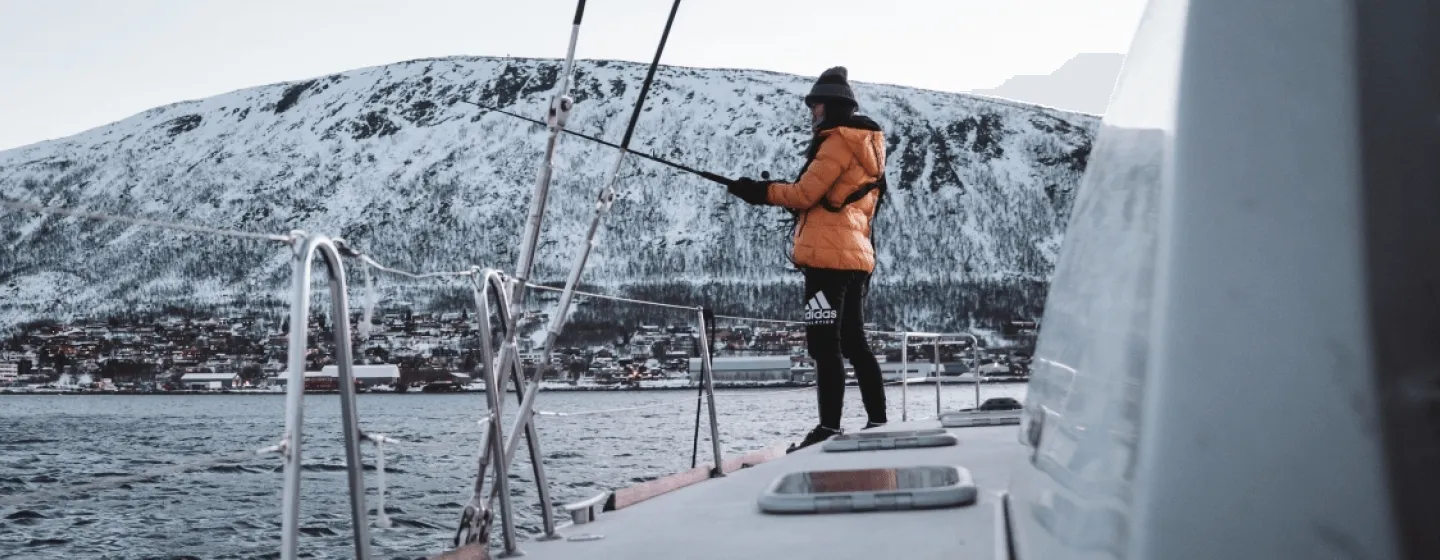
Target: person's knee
<point>853,347</point>
<point>823,342</point>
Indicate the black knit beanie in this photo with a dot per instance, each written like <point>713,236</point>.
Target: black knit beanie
<point>833,85</point>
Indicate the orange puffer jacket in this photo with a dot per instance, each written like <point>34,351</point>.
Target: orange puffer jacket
<point>850,157</point>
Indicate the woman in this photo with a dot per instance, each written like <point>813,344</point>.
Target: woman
<point>840,188</point>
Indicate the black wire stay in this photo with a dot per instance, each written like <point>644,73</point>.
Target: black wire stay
<point>717,178</point>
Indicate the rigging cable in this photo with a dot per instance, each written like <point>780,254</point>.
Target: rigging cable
<point>524,417</point>
<point>475,519</point>
<point>657,159</point>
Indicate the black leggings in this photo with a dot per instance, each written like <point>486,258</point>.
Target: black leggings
<point>835,329</point>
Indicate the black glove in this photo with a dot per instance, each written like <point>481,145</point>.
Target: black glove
<point>750,190</point>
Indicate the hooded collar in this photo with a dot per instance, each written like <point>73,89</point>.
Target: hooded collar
<point>862,135</point>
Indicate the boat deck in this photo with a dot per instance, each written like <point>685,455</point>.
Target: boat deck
<point>720,518</point>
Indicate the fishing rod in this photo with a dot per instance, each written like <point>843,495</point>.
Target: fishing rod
<point>657,159</point>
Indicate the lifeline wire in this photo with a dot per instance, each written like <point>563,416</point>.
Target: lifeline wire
<point>612,298</point>
<point>805,388</point>
<point>370,301</point>
<point>657,159</point>
<point>911,334</point>
<point>17,205</point>
<point>411,275</point>
<point>524,419</point>
<point>756,320</point>
<point>542,287</point>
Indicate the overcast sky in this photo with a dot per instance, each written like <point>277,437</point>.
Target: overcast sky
<point>71,65</point>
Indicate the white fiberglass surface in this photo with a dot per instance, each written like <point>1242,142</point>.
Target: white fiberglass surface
<point>1261,435</point>
<point>1202,388</point>
<point>1074,497</point>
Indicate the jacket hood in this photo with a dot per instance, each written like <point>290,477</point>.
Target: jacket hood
<point>864,138</point>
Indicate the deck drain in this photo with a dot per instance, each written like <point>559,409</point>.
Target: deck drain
<point>584,537</point>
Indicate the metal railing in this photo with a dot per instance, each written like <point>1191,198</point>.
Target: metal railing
<point>905,337</point>
<point>305,248</point>
<point>476,518</point>
<point>491,282</point>
<point>936,367</point>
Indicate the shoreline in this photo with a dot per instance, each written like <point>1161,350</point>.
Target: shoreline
<point>544,389</point>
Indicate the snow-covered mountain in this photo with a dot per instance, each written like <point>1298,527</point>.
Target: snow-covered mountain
<point>390,159</point>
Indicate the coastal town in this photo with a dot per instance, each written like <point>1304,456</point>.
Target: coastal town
<point>440,352</point>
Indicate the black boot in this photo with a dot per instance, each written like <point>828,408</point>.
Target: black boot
<point>869,425</point>
<point>817,435</point>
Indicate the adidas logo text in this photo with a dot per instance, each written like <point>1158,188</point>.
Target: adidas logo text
<point>818,310</point>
